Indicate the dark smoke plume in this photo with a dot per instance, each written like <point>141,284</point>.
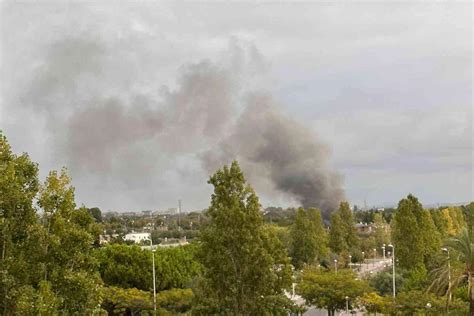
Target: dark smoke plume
<point>268,144</point>
<point>114,123</point>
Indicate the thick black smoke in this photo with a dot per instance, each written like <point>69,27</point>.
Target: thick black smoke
<point>273,146</point>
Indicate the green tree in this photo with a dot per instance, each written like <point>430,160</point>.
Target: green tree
<point>175,301</point>
<point>319,232</point>
<point>131,267</point>
<point>131,301</point>
<point>382,233</point>
<point>18,187</point>
<point>328,290</point>
<point>96,214</point>
<point>304,248</point>
<point>462,250</point>
<point>374,303</point>
<point>468,212</point>
<point>406,234</point>
<point>348,222</point>
<point>66,256</point>
<point>423,303</point>
<point>245,268</point>
<point>337,241</point>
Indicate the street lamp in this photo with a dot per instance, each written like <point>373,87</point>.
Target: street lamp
<point>347,305</point>
<point>335,265</point>
<point>375,255</point>
<point>383,251</point>
<point>154,282</point>
<point>363,257</point>
<point>153,264</point>
<point>449,278</point>
<point>350,261</point>
<point>393,271</point>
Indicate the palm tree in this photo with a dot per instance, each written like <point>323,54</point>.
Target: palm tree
<point>462,249</point>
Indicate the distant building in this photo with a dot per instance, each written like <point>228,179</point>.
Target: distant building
<point>363,228</point>
<point>105,239</point>
<point>137,237</point>
<point>173,210</point>
<point>129,214</point>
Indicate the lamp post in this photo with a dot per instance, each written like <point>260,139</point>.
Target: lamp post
<point>383,251</point>
<point>347,305</point>
<point>350,261</point>
<point>335,265</point>
<point>449,279</point>
<point>154,282</point>
<point>153,264</point>
<point>375,256</point>
<point>393,271</point>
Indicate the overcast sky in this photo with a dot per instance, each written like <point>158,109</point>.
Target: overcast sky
<point>386,87</point>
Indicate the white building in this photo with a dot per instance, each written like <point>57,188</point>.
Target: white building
<point>137,237</point>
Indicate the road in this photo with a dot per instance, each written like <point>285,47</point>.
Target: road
<point>371,267</point>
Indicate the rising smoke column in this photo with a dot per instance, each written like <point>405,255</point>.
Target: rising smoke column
<point>271,145</point>
<point>111,122</point>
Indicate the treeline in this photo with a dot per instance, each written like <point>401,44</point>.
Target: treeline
<point>241,261</point>
<point>51,262</point>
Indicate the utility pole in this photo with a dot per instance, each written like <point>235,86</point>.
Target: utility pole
<point>179,213</point>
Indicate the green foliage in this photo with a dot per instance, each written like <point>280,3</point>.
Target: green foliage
<point>131,301</point>
<point>96,214</point>
<point>342,234</point>
<point>175,301</point>
<point>131,267</point>
<point>328,290</point>
<point>348,225</point>
<point>66,255</point>
<point>382,234</point>
<point>337,241</point>
<point>406,235</point>
<point>374,303</point>
<point>18,188</point>
<point>422,303</point>
<point>468,212</point>
<point>382,281</point>
<point>244,265</point>
<point>308,240</point>
<point>41,301</point>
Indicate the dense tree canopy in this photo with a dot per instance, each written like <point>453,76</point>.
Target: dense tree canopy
<point>308,240</point>
<point>245,269</point>
<point>329,290</point>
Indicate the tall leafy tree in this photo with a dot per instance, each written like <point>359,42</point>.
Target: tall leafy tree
<point>431,238</point>
<point>319,232</point>
<point>406,234</point>
<point>382,232</point>
<point>302,247</point>
<point>18,187</point>
<point>337,240</point>
<point>245,269</point>
<point>348,222</point>
<point>66,256</point>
